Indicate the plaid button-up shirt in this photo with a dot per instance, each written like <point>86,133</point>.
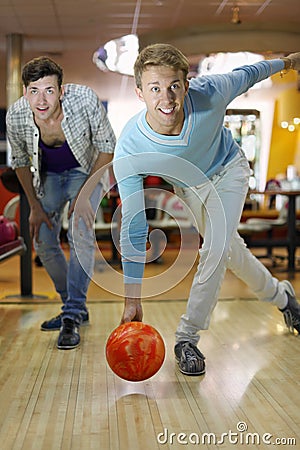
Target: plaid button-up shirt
<point>85,126</point>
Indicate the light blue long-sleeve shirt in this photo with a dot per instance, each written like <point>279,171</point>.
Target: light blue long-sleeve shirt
<point>203,147</point>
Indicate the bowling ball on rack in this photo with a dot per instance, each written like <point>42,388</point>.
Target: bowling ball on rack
<point>8,230</point>
<point>135,351</point>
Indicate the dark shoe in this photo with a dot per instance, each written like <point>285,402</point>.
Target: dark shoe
<point>158,261</point>
<point>190,359</point>
<point>38,262</point>
<point>69,335</point>
<point>291,313</point>
<point>55,323</point>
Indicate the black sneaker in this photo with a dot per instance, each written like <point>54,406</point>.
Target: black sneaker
<point>291,313</point>
<point>55,323</point>
<point>190,359</point>
<point>69,335</point>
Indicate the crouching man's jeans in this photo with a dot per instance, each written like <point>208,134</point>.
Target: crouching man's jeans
<point>71,279</point>
<point>217,206</point>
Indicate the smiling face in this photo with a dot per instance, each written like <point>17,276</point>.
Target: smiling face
<point>44,97</point>
<point>163,90</point>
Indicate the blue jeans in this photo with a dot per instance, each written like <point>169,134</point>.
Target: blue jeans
<point>71,279</point>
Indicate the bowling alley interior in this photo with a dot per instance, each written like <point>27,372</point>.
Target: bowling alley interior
<point>56,399</point>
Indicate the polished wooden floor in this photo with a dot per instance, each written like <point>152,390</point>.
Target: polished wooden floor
<point>71,400</point>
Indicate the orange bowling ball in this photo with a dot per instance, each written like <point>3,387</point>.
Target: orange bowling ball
<point>135,351</point>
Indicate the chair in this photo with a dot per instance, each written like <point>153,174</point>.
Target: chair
<point>254,226</point>
<point>102,229</point>
<point>16,247</point>
<point>279,222</point>
<point>99,225</point>
<point>166,211</point>
<point>170,212</point>
<point>10,209</point>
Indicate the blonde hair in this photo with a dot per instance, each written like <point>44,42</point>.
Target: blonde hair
<point>160,55</point>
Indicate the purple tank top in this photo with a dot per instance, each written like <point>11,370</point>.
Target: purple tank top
<point>57,159</point>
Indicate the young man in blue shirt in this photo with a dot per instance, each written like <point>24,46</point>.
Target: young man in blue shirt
<point>180,136</point>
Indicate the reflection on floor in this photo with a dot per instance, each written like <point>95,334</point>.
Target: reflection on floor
<point>70,400</point>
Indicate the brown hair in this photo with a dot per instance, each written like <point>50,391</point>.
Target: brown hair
<point>159,55</point>
<point>39,68</point>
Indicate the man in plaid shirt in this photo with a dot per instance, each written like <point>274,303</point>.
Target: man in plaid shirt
<point>60,136</point>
